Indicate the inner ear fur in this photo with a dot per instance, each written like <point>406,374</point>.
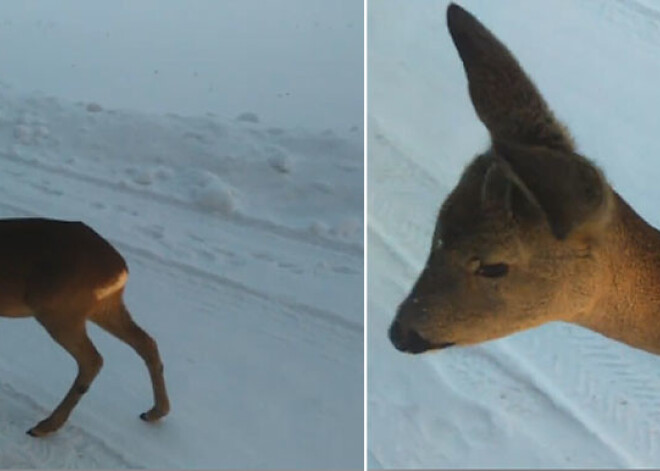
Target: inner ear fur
<point>570,190</point>
<point>503,191</point>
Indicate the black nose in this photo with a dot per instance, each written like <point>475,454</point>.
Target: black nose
<point>397,336</point>
<point>407,340</point>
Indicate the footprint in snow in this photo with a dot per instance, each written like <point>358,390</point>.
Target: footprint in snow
<point>237,262</point>
<point>285,265</point>
<point>263,256</point>
<point>292,267</point>
<point>344,270</point>
<point>155,231</point>
<point>206,255</point>
<point>248,117</point>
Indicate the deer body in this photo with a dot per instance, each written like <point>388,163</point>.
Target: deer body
<point>64,274</point>
<point>533,232</point>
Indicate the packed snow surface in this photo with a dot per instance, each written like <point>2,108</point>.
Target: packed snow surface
<point>557,396</point>
<point>242,229</point>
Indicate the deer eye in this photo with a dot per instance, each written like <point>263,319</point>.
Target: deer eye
<point>496,270</point>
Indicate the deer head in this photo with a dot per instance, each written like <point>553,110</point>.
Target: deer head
<point>522,239</point>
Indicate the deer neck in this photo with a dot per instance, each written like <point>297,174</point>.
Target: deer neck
<point>628,308</point>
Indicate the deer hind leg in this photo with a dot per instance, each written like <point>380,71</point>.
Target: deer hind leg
<point>118,322</point>
<point>74,339</point>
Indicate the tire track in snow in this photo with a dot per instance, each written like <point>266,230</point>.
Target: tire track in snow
<point>237,219</point>
<point>326,316</point>
<point>646,12</point>
<point>82,448</point>
<point>557,395</point>
<point>303,332</point>
<point>629,404</point>
<point>638,19</point>
<point>301,327</point>
<point>377,232</point>
<point>278,257</point>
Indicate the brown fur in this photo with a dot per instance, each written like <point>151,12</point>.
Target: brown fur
<point>532,233</point>
<point>56,272</point>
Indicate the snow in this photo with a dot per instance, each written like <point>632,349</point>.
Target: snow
<point>557,396</point>
<point>259,319</point>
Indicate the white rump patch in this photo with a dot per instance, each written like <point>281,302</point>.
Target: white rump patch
<point>112,287</point>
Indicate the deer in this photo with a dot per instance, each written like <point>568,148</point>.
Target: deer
<point>63,274</point>
<point>532,232</point>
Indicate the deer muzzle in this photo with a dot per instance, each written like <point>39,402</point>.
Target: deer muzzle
<point>408,340</point>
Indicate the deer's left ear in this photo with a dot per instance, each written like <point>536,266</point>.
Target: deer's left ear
<point>504,97</point>
<point>496,188</point>
<point>570,190</point>
<point>504,191</point>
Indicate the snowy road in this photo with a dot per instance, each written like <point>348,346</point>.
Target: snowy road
<point>557,396</point>
<point>259,320</point>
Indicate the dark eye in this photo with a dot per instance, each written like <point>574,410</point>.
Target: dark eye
<point>495,270</point>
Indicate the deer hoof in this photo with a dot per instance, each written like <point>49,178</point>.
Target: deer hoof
<point>37,432</point>
<point>151,416</point>
<point>44,427</point>
<point>156,412</point>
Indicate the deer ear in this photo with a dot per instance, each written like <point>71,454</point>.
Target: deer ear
<point>505,99</point>
<point>570,190</point>
<point>496,189</point>
<point>503,191</point>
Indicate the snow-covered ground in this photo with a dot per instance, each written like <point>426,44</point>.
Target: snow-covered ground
<point>557,396</point>
<point>242,228</point>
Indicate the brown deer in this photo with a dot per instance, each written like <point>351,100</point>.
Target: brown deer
<point>532,233</point>
<point>63,274</point>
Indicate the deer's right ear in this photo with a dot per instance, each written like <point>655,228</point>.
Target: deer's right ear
<point>505,99</point>
<point>502,190</point>
<point>571,192</point>
<point>496,189</point>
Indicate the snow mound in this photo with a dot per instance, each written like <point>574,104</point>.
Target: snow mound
<point>281,162</point>
<point>237,303</point>
<point>217,196</point>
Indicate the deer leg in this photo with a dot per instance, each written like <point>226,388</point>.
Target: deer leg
<point>119,323</point>
<point>74,340</point>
